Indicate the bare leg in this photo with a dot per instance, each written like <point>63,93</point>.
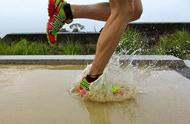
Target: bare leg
<point>99,11</point>
<point>121,14</point>
<point>117,13</point>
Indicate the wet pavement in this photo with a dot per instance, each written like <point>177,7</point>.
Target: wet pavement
<point>39,95</point>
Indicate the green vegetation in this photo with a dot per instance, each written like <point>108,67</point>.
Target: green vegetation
<point>132,42</point>
<point>25,47</point>
<point>177,44</point>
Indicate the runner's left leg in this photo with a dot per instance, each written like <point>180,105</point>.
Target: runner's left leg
<point>99,11</point>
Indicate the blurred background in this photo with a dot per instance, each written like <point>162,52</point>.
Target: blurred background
<point>19,16</point>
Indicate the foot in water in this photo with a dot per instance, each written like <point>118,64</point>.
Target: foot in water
<point>83,89</point>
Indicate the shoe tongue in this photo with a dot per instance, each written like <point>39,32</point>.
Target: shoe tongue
<point>92,78</point>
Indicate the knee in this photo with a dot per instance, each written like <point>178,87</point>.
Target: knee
<point>137,12</point>
<point>129,10</point>
<point>134,10</point>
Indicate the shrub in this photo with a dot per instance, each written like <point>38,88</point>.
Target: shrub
<point>132,42</point>
<point>25,47</point>
<point>177,44</point>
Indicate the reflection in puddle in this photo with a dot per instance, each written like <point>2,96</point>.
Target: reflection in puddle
<point>106,113</point>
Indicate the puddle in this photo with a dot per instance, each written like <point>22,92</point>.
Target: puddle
<point>39,95</point>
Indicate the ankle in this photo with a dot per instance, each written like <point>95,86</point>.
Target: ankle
<point>68,12</point>
<point>91,78</point>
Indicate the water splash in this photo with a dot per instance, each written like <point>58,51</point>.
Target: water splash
<point>116,73</point>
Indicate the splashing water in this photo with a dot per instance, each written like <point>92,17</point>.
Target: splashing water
<point>116,73</point>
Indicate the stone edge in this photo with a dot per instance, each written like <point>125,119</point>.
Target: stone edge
<point>156,60</point>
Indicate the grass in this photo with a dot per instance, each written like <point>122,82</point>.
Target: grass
<point>25,47</point>
<point>132,42</point>
<point>177,44</point>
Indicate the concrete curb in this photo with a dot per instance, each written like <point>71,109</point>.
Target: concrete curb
<point>187,62</point>
<point>169,61</point>
<point>47,59</point>
<point>155,60</point>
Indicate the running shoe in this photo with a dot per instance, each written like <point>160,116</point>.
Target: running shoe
<point>83,88</point>
<point>53,4</point>
<point>57,18</point>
